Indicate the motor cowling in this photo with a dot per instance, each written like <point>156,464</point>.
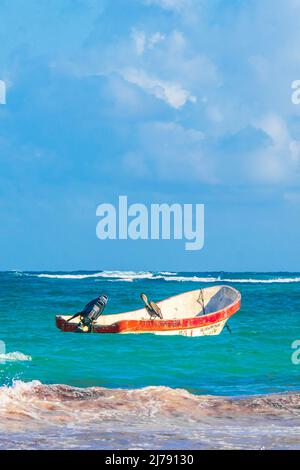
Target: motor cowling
<point>92,311</point>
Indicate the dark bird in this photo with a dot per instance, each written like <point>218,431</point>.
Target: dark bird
<point>152,308</point>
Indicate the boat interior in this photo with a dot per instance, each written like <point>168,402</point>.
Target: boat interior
<point>186,305</point>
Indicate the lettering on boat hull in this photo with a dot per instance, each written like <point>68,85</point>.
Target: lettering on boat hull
<point>214,329</point>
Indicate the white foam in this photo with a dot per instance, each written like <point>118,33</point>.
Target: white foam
<point>33,415</point>
<point>232,280</point>
<point>193,279</point>
<point>15,356</point>
<point>129,276</point>
<point>103,274</point>
<point>67,276</point>
<point>167,273</point>
<point>277,280</point>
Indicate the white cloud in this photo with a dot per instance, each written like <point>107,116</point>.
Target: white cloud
<point>214,114</point>
<point>155,39</point>
<point>235,81</point>
<point>139,38</point>
<point>2,92</point>
<point>279,162</point>
<point>143,42</point>
<point>171,92</point>
<point>167,151</point>
<point>173,5</point>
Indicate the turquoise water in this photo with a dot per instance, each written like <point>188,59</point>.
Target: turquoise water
<point>254,359</point>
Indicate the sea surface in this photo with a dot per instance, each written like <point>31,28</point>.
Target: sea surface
<point>66,390</point>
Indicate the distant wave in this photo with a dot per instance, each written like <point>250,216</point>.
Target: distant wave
<point>167,273</point>
<point>110,275</point>
<point>15,356</point>
<point>102,274</point>
<point>232,280</point>
<point>130,276</point>
<point>193,279</point>
<point>67,276</point>
<point>278,280</point>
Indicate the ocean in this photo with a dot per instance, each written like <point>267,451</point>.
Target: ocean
<point>65,390</point>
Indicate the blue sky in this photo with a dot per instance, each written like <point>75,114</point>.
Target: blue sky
<point>184,101</point>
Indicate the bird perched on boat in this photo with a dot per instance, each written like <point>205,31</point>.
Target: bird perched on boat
<point>151,307</point>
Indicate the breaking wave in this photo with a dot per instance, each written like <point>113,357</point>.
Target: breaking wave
<point>102,274</point>
<point>233,280</point>
<point>278,280</point>
<point>167,273</point>
<point>63,403</point>
<point>67,276</point>
<point>150,417</point>
<point>130,276</point>
<point>15,356</point>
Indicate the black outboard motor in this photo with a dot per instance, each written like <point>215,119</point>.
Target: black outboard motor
<point>91,313</point>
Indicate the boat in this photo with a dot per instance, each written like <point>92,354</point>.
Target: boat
<point>198,312</point>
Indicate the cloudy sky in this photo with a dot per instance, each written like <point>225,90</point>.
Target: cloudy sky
<point>185,101</point>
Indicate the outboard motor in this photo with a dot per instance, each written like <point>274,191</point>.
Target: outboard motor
<point>91,313</point>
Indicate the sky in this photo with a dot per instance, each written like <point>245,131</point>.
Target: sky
<point>165,101</point>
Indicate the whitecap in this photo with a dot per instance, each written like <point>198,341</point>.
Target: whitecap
<point>167,273</point>
<point>129,276</point>
<point>101,274</point>
<point>232,280</point>
<point>67,276</point>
